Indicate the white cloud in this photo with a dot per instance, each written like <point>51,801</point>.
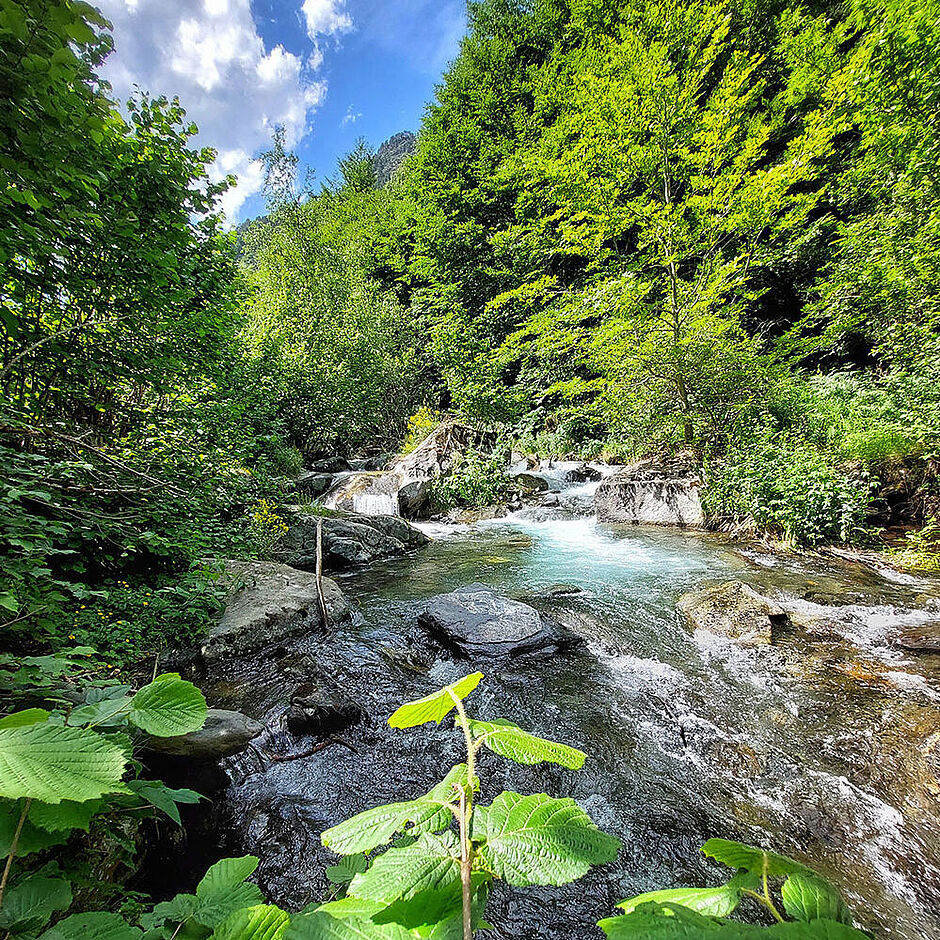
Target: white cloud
<point>326,17</point>
<point>209,53</point>
<point>350,117</point>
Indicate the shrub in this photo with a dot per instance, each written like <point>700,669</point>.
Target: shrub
<point>476,479</point>
<point>786,489</point>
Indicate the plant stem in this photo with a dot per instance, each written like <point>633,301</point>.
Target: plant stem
<point>13,847</point>
<point>464,818</point>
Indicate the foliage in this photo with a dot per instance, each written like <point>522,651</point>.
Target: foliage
<point>815,907</point>
<point>921,549</point>
<point>787,489</point>
<point>420,425</point>
<point>432,876</point>
<point>475,479</point>
<point>65,770</point>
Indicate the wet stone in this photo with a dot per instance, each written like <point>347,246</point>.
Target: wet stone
<point>474,620</point>
<point>733,610</point>
<point>315,709</point>
<point>924,638</point>
<point>224,733</point>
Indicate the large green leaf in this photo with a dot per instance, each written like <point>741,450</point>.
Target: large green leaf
<point>509,740</point>
<point>168,707</point>
<point>29,905</point>
<point>64,816</point>
<point>809,897</point>
<point>540,840</point>
<point>32,838</point>
<point>430,863</point>
<point>97,926</point>
<point>320,925</point>
<point>223,890</point>
<point>716,902</point>
<point>374,827</point>
<point>52,763</point>
<point>261,922</point>
<point>675,922</point>
<point>435,707</point>
<point>738,855</point>
<point>29,716</point>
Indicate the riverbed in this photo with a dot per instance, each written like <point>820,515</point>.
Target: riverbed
<point>820,746</point>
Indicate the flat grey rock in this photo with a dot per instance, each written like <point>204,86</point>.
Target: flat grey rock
<point>349,540</point>
<point>474,621</point>
<point>270,602</point>
<point>225,732</point>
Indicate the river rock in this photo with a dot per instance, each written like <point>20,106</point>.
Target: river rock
<point>414,499</point>
<point>529,483</point>
<point>318,710</point>
<point>330,465</point>
<point>584,473</point>
<point>224,733</point>
<point>270,602</point>
<point>313,484</point>
<point>369,493</point>
<point>924,638</point>
<point>651,494</point>
<point>349,539</point>
<point>733,610</point>
<point>475,621</point>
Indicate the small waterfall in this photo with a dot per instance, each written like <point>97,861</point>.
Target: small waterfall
<point>376,504</point>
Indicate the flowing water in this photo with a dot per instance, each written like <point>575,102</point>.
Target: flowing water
<point>821,746</point>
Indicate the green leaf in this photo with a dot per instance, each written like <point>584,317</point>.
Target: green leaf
<point>29,716</point>
<point>738,855</point>
<point>809,897</point>
<point>30,904</point>
<point>435,707</point>
<point>223,890</point>
<point>162,797</point>
<point>374,827</point>
<point>320,925</point>
<point>509,740</point>
<point>32,838</point>
<point>64,816</point>
<point>51,763</point>
<point>262,922</point>
<point>716,902</point>
<point>346,869</point>
<point>540,840</point>
<point>168,707</point>
<point>97,926</point>
<point>429,863</point>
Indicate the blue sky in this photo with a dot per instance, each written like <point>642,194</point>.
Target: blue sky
<point>328,70</point>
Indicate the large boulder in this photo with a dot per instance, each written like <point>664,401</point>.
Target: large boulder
<point>313,484</point>
<point>224,733</point>
<point>330,465</point>
<point>349,539</point>
<point>651,494</point>
<point>404,488</point>
<point>474,621</point>
<point>733,610</point>
<point>368,493</point>
<point>269,603</point>
<point>529,484</point>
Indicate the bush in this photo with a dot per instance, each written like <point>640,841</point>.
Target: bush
<point>476,480</point>
<point>420,425</point>
<point>787,489</point>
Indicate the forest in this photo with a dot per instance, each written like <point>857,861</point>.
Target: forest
<point>647,230</point>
